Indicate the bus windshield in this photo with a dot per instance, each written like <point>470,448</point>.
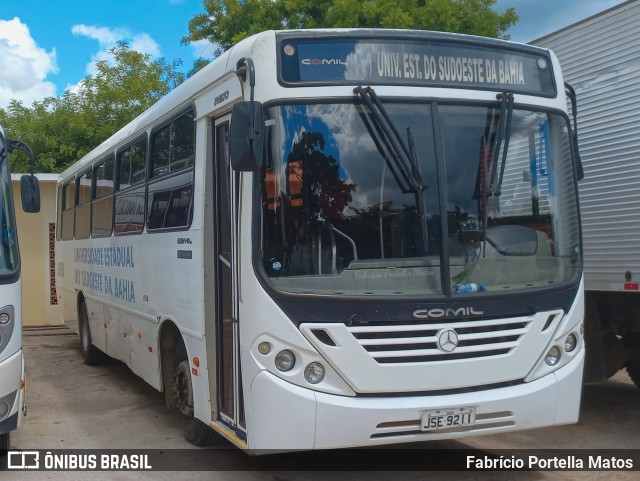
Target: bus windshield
<point>342,213</point>
<point>9,246</point>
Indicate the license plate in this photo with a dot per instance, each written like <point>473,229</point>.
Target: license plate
<point>448,418</point>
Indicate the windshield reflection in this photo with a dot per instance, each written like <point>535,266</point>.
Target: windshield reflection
<point>339,217</point>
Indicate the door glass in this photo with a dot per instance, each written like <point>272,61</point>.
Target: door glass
<point>224,294</point>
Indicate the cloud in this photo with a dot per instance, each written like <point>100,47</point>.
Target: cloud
<point>104,35</point>
<point>203,48</point>
<point>108,37</point>
<point>541,17</point>
<point>145,44</point>
<point>24,65</point>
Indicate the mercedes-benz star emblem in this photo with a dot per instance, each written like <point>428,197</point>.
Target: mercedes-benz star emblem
<point>447,340</point>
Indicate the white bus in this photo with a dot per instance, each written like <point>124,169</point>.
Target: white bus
<point>332,238</point>
<point>12,375</point>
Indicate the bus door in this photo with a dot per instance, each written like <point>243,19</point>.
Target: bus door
<point>230,401</point>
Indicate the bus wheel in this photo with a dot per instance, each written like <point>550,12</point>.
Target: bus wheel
<point>194,430</point>
<point>91,355</point>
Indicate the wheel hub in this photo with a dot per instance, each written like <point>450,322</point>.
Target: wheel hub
<point>182,390</point>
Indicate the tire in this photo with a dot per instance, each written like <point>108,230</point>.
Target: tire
<point>633,369</point>
<point>631,342</point>
<point>194,430</point>
<point>4,444</point>
<point>91,355</point>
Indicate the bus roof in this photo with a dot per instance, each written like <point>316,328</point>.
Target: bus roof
<point>226,63</point>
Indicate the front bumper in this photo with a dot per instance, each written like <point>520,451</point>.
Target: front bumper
<point>12,396</point>
<point>288,417</point>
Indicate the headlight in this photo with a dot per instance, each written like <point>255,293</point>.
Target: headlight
<point>570,342</point>
<point>285,360</point>
<point>4,318</point>
<point>4,410</point>
<point>264,348</point>
<point>553,356</point>
<point>314,373</point>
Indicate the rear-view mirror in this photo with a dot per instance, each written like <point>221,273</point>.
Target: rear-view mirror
<point>245,136</point>
<point>30,193</point>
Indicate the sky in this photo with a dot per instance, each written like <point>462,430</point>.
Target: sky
<point>541,17</point>
<point>48,46</point>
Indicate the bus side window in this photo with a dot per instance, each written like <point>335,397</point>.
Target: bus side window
<point>172,146</point>
<point>170,198</point>
<point>59,197</point>
<point>68,211</point>
<point>171,207</point>
<point>132,164</point>
<point>102,205</point>
<point>131,169</point>
<point>129,212</point>
<point>83,206</point>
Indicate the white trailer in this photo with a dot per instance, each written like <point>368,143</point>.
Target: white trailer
<point>600,57</point>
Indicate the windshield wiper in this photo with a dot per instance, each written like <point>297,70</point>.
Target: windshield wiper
<point>502,137</point>
<point>495,142</point>
<point>393,141</point>
<point>376,134</point>
<point>403,156</point>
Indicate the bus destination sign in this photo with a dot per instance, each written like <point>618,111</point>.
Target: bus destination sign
<point>416,62</point>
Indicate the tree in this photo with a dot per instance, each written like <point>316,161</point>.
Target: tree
<point>60,130</point>
<point>324,192</point>
<point>225,22</point>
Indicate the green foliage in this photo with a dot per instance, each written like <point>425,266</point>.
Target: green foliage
<point>60,130</point>
<point>225,22</point>
<point>197,65</point>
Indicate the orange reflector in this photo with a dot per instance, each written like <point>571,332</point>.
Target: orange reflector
<point>22,383</point>
<point>139,335</point>
<point>196,362</point>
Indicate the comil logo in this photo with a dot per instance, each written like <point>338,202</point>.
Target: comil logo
<point>323,61</point>
<point>450,312</point>
<point>23,460</point>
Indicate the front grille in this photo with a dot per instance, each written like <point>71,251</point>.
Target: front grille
<point>392,344</point>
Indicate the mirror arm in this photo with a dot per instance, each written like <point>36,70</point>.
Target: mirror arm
<point>244,66</point>
<point>571,94</point>
<point>13,144</point>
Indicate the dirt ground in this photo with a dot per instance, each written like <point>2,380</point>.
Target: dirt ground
<point>71,405</point>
